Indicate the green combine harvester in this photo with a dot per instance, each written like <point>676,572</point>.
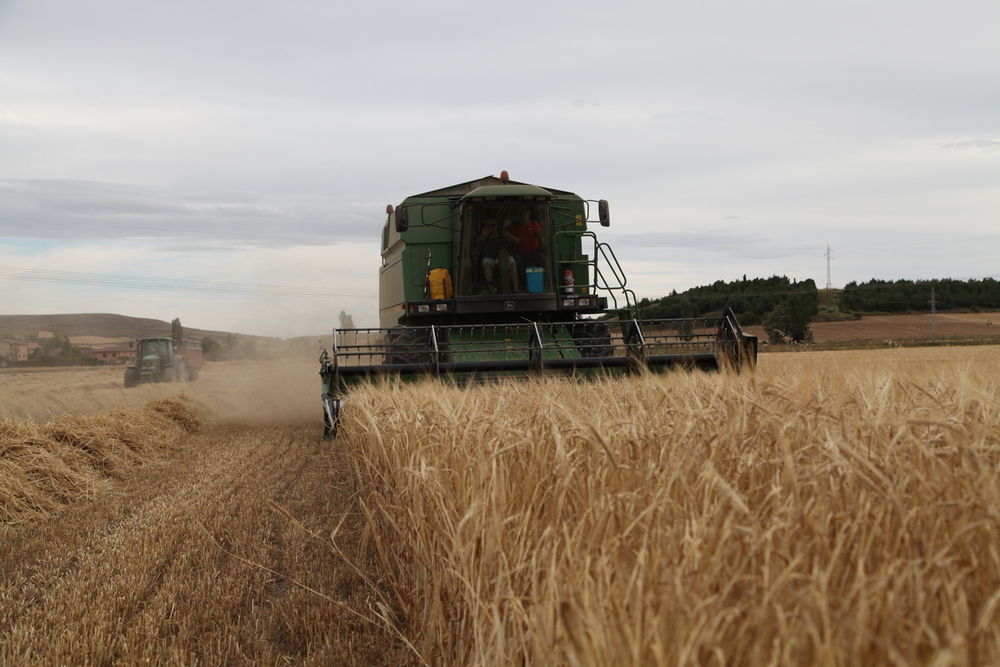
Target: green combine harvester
<point>494,278</point>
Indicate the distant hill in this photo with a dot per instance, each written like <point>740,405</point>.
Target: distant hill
<point>98,324</point>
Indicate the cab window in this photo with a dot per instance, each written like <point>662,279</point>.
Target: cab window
<point>500,239</point>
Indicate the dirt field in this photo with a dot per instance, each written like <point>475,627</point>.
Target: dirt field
<point>894,327</point>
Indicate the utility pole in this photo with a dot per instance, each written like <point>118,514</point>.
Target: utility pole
<point>829,284</point>
<point>933,314</point>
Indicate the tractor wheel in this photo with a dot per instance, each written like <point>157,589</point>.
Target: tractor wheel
<point>131,377</point>
<point>192,374</point>
<point>592,338</point>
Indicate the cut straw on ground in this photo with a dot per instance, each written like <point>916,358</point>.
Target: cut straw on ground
<point>68,458</point>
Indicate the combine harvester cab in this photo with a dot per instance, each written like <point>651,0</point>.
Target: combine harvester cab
<point>495,278</point>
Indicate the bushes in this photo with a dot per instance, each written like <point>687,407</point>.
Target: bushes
<point>782,325</point>
<point>787,304</point>
<point>903,295</point>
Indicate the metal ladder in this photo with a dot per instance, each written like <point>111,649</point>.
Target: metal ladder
<point>611,279</point>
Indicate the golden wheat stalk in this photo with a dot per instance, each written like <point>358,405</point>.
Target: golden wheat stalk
<point>815,513</point>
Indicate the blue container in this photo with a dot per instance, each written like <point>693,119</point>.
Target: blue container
<point>534,276</point>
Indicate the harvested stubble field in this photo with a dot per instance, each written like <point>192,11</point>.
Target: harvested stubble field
<point>155,525</point>
<point>835,508</point>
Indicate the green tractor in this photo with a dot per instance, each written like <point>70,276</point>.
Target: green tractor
<point>495,278</point>
<point>162,359</point>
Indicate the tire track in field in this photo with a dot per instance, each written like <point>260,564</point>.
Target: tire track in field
<point>158,571</point>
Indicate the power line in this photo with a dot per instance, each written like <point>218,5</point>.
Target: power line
<point>182,285</point>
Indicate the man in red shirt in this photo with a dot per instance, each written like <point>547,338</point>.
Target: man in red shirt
<point>529,242</point>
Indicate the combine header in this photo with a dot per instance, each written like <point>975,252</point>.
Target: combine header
<point>494,278</point>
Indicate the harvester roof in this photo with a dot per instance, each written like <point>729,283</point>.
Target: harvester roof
<point>491,182</point>
<point>509,190</point>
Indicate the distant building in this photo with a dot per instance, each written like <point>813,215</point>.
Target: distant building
<point>105,350</point>
<point>14,350</point>
<point>84,342</point>
<point>110,354</point>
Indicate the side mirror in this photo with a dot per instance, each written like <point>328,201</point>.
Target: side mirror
<point>402,219</point>
<point>603,214</point>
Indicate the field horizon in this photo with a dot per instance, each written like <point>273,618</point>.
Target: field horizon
<point>949,324</point>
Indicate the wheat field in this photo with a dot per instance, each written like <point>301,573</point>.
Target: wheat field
<point>832,509</point>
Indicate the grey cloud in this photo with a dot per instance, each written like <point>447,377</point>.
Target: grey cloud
<point>191,248</point>
<point>244,210</point>
<point>748,243</point>
<point>100,205</point>
<point>695,114</point>
<point>73,210</point>
<point>982,145</point>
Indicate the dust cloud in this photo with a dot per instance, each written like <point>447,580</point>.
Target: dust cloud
<point>249,392</point>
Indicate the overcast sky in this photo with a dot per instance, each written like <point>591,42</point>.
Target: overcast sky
<point>229,162</point>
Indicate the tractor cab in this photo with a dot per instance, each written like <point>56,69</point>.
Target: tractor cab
<point>155,355</point>
<point>156,346</point>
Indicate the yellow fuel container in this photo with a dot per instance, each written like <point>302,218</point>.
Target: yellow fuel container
<point>440,284</point>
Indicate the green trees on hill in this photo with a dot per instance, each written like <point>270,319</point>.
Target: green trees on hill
<point>210,348</point>
<point>783,306</point>
<point>903,295</point>
<point>56,351</point>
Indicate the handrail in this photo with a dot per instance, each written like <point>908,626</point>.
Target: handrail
<point>440,343</point>
<point>536,346</point>
<point>638,349</point>
<point>335,353</point>
<point>436,352</point>
<point>604,250</point>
